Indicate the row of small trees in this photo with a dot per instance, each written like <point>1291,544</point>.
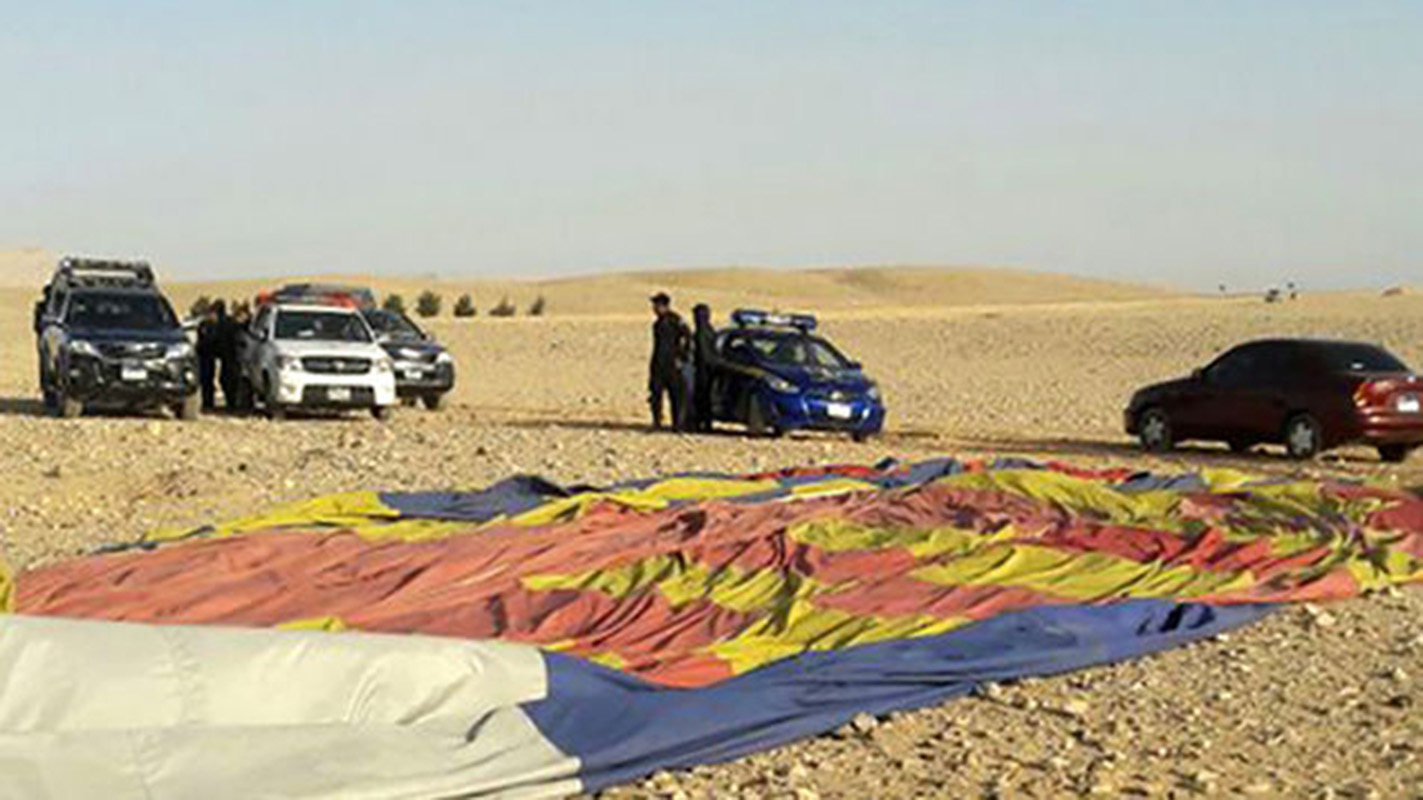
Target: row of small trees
<point>429,303</point>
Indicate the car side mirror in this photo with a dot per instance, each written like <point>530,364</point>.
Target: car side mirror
<point>428,336</point>
<point>190,324</point>
<point>855,365</point>
<point>1199,374</point>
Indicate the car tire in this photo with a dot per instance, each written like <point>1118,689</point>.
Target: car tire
<point>190,407</point>
<point>47,393</point>
<point>68,407</point>
<point>433,402</point>
<point>756,419</point>
<point>1394,453</point>
<point>243,399</point>
<point>861,436</point>
<point>1154,431</point>
<point>1303,437</point>
<point>275,410</point>
<point>382,413</point>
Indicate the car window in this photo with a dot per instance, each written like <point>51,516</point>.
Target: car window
<point>1236,367</point>
<point>1348,357</point>
<point>396,326</point>
<point>321,326</point>
<point>137,312</point>
<point>800,351</point>
<point>1278,362</point>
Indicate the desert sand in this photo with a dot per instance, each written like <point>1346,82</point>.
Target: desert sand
<point>1319,702</point>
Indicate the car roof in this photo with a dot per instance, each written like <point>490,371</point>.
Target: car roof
<point>1308,342</point>
<point>316,307</point>
<point>150,291</point>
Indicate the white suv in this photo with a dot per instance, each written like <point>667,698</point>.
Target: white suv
<point>315,356</point>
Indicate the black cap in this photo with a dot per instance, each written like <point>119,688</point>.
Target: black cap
<point>662,299</point>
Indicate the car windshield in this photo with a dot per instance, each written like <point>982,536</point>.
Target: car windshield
<point>121,311</point>
<point>799,351</point>
<point>1361,358</point>
<point>321,326</point>
<point>396,326</point>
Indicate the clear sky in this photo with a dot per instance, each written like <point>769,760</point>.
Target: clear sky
<point>1187,143</point>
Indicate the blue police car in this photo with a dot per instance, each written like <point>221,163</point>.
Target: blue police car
<point>780,376</point>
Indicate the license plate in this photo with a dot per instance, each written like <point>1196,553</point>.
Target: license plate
<point>1408,403</point>
<point>338,394</point>
<point>133,372</point>
<point>414,374</point>
<point>839,410</point>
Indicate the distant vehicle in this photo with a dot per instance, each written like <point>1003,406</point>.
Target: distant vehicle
<point>321,294</point>
<point>107,336</point>
<point>313,356</point>
<point>424,370</point>
<point>783,377</point>
<point>1308,395</point>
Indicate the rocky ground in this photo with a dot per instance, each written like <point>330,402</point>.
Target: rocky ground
<point>1314,702</point>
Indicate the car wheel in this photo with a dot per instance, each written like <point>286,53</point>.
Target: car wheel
<point>243,399</point>
<point>69,407</point>
<point>381,413</point>
<point>275,410</point>
<point>756,419</point>
<point>433,402</point>
<point>861,436</point>
<point>47,394</point>
<point>1394,453</point>
<point>1303,436</point>
<point>189,408</point>
<point>1154,431</point>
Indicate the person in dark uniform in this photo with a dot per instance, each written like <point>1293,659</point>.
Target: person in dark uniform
<point>706,362</point>
<point>228,368</point>
<point>670,341</point>
<point>209,345</point>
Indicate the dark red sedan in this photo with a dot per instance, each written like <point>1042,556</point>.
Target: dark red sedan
<point>1308,395</point>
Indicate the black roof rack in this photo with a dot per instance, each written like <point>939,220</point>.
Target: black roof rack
<point>77,271</point>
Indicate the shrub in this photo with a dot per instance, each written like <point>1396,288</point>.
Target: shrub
<point>504,309</point>
<point>464,306</point>
<point>536,308</point>
<point>428,304</point>
<point>394,303</point>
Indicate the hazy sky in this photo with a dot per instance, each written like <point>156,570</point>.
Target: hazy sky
<point>1191,142</point>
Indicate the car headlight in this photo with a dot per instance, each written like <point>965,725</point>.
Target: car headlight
<point>179,350</point>
<point>80,347</point>
<point>288,363</point>
<point>383,365</point>
<point>444,358</point>
<point>779,384</point>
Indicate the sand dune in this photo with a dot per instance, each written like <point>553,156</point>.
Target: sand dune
<point>837,289</point>
<point>27,267</point>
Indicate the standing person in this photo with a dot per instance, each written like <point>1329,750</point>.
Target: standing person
<point>209,341</point>
<point>706,361</point>
<point>670,339</point>
<point>229,369</point>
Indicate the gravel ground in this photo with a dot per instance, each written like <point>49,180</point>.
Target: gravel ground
<point>1316,702</point>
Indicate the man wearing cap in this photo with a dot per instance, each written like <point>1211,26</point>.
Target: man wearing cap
<point>670,341</point>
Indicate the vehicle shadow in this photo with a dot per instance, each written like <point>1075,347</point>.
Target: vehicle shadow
<point>22,407</point>
<point>1075,446</point>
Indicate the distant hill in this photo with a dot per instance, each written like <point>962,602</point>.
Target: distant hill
<point>839,289</point>
<point>25,268</point>
<point>844,289</point>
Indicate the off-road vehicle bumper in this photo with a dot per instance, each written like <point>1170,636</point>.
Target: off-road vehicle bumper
<point>153,382</point>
